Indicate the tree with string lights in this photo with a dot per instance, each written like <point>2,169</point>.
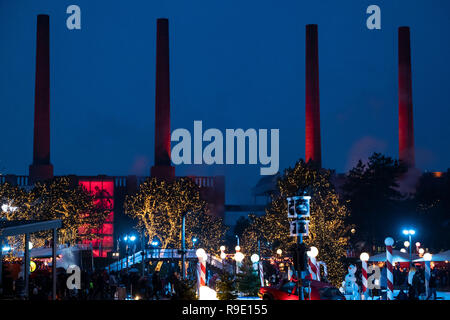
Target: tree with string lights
<point>327,229</point>
<point>158,206</point>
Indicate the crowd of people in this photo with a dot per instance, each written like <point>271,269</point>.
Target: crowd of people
<point>98,285</point>
<point>411,282</point>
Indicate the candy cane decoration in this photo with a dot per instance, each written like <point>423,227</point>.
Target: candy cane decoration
<point>364,258</point>
<point>261,273</point>
<point>390,277</point>
<point>313,270</point>
<point>201,268</point>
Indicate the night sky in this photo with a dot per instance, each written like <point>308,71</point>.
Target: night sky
<point>234,64</point>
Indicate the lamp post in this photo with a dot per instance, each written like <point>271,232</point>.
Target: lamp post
<point>239,257</point>
<point>255,259</point>
<point>155,244</point>
<point>427,258</point>
<point>183,244</point>
<point>128,239</point>
<point>409,233</point>
<point>223,256</point>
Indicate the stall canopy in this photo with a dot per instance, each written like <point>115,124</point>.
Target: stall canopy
<point>397,256</point>
<point>26,227</point>
<point>438,257</point>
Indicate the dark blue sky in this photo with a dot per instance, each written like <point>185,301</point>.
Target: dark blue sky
<point>234,64</point>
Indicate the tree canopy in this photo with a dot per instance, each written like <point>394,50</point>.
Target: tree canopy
<point>373,193</point>
<point>327,229</point>
<point>158,206</point>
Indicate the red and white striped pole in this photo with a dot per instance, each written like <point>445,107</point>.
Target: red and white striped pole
<point>261,273</point>
<point>201,268</point>
<point>313,267</point>
<point>390,276</point>
<point>364,258</point>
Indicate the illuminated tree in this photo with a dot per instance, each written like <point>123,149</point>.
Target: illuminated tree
<point>158,206</point>
<point>57,199</point>
<point>327,229</point>
<point>15,202</point>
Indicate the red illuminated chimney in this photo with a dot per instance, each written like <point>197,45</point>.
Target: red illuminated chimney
<point>405,108</point>
<point>162,167</point>
<point>42,169</point>
<point>312,106</point>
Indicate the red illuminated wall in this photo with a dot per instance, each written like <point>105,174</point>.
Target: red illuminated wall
<point>103,190</point>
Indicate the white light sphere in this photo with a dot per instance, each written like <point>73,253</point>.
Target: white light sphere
<point>403,250</point>
<point>206,293</point>
<point>427,256</point>
<point>364,256</point>
<point>239,256</point>
<point>222,248</point>
<point>237,248</point>
<point>313,252</point>
<point>406,244</point>
<point>201,254</point>
<point>279,252</point>
<point>417,244</point>
<point>421,251</point>
<point>389,241</point>
<point>254,258</point>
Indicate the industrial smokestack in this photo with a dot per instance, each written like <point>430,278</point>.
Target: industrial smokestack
<point>405,108</point>
<point>41,169</point>
<point>162,167</point>
<point>312,107</point>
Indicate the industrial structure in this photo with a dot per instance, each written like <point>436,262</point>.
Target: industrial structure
<point>112,190</point>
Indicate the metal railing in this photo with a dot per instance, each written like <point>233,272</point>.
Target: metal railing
<point>163,254</point>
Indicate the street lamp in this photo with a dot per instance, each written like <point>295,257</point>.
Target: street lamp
<point>128,239</point>
<point>409,233</point>
<point>279,252</point>
<point>255,259</point>
<point>201,254</point>
<point>238,256</point>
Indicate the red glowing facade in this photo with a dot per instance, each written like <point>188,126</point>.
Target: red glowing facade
<point>405,107</point>
<point>312,106</point>
<point>103,191</point>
